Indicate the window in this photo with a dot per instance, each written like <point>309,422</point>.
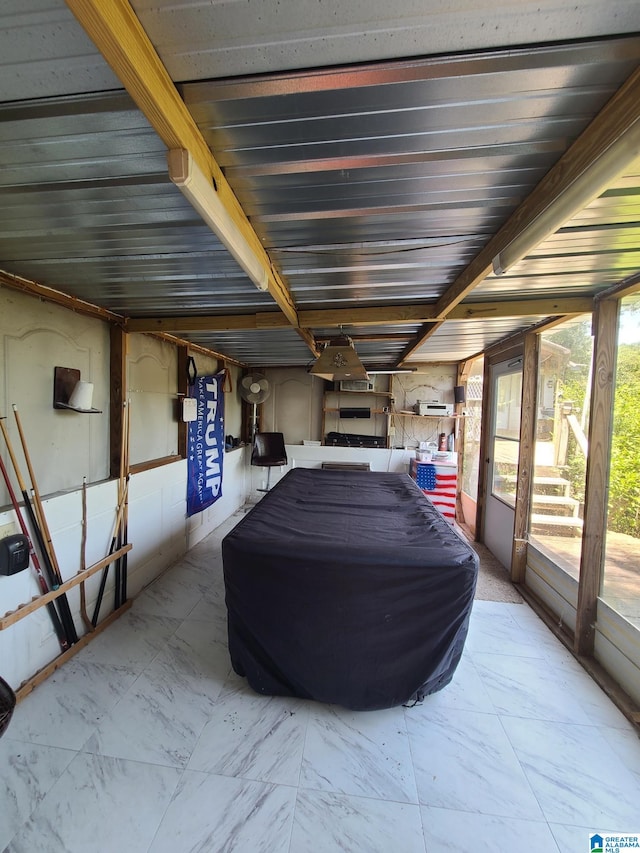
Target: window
<point>621,587</point>
<point>506,433</point>
<point>562,424</point>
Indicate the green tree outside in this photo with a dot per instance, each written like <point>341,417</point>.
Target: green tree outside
<point>624,475</point>
<point>624,478</point>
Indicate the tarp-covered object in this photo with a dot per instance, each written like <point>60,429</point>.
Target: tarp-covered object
<point>347,587</point>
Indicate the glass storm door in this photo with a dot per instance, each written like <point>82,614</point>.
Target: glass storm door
<point>503,449</point>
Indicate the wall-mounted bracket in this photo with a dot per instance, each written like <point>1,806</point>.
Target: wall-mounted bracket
<point>70,392</point>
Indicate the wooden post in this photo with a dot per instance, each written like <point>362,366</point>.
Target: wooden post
<point>484,450</point>
<point>605,323</point>
<point>462,374</point>
<point>562,445</point>
<point>183,389</point>
<point>118,393</point>
<point>526,461</point>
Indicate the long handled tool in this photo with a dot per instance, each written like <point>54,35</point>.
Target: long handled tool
<point>47,545</point>
<point>125,534</point>
<point>83,558</point>
<point>121,577</point>
<point>42,583</point>
<point>54,578</point>
<point>105,571</point>
<point>116,541</point>
<point>123,487</point>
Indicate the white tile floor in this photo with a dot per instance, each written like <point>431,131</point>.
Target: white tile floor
<point>146,741</point>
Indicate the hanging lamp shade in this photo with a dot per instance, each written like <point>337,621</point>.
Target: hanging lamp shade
<point>339,360</point>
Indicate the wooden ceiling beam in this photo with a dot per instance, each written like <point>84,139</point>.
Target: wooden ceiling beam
<point>372,338</point>
<point>87,309</point>
<point>191,347</point>
<point>310,341</point>
<point>616,117</point>
<point>334,318</point>
<point>420,339</point>
<point>379,316</point>
<point>119,36</point>
<point>209,323</point>
<point>49,294</point>
<point>626,287</point>
<point>520,308</point>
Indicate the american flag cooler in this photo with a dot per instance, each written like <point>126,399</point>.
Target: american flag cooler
<point>439,483</point>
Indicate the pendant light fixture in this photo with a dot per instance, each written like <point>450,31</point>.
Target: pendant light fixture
<point>339,360</point>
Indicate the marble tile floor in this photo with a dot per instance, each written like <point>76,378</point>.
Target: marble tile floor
<point>147,741</point>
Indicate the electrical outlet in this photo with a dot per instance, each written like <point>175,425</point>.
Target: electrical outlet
<point>7,529</point>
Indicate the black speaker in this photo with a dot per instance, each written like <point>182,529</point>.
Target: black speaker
<point>355,413</point>
<point>459,395</point>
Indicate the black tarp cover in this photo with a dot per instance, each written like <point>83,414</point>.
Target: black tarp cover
<point>347,587</point>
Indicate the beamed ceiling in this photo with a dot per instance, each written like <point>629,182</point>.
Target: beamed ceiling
<point>375,166</point>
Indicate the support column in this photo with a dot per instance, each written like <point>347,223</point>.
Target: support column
<point>605,324</point>
<point>183,389</point>
<point>526,460</point>
<point>118,393</point>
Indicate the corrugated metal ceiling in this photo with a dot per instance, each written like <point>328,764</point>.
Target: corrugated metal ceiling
<point>203,40</point>
<point>594,250</point>
<point>469,337</point>
<point>280,347</point>
<point>370,185</point>
<point>378,185</point>
<point>45,53</point>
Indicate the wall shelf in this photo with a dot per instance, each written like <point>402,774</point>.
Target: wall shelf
<point>427,417</point>
<point>334,412</point>
<point>372,411</point>
<point>362,393</point>
<point>66,381</point>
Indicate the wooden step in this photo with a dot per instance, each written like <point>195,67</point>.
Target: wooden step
<point>551,481</point>
<point>562,482</point>
<point>547,500</point>
<point>557,500</point>
<point>556,520</point>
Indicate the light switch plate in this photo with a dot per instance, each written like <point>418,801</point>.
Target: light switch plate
<point>189,409</point>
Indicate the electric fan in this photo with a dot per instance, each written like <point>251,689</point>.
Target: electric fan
<point>254,388</point>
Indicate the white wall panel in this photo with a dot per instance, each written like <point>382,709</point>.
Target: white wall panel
<point>158,531</point>
<point>294,405</point>
<point>234,493</point>
<point>35,337</point>
<point>617,648</point>
<point>153,391</point>
<point>553,587</point>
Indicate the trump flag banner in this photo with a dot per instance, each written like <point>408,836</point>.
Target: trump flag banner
<point>205,450</point>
